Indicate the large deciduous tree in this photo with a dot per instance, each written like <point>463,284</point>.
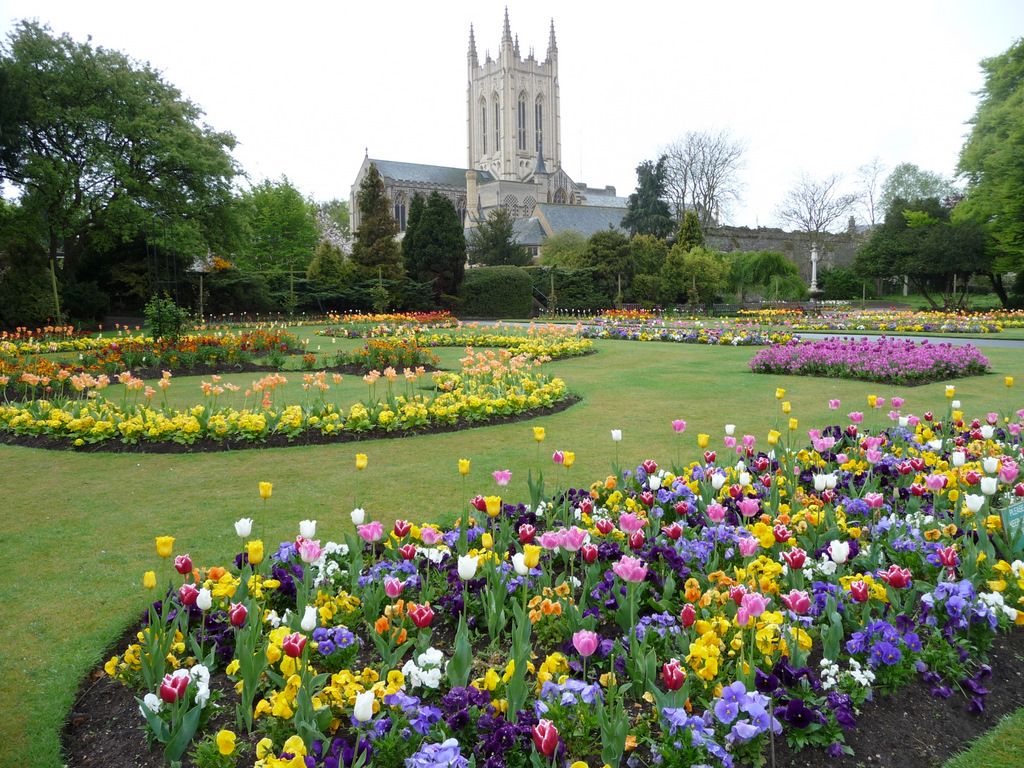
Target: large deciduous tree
<point>702,174</point>
<point>992,160</point>
<point>647,212</point>
<point>437,253</point>
<point>908,182</point>
<point>102,151</point>
<point>815,205</point>
<point>375,251</point>
<point>493,243</point>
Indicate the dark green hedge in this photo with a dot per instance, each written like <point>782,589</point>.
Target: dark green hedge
<point>496,292</point>
<point>574,288</point>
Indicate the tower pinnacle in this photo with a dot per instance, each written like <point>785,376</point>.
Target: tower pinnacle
<point>552,46</point>
<point>506,34</point>
<point>472,45</point>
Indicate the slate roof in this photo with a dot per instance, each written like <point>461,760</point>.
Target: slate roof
<point>585,219</point>
<point>418,173</point>
<point>603,198</point>
<point>528,231</point>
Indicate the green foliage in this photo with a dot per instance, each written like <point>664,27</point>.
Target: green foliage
<point>497,292</point>
<point>564,249</point>
<point>647,212</point>
<point>231,290</point>
<point>166,320</point>
<point>908,182</point>
<point>575,289</point>
<point>608,255</point>
<point>84,301</point>
<point>493,242</point>
<point>434,248</point>
<point>769,272</point>
<point>992,161</point>
<point>690,234</point>
<point>647,253</point>
<point>102,150</point>
<point>328,268</point>
<point>375,251</point>
<point>26,288</point>
<point>281,228</point>
<point>647,290</point>
<point>920,240</point>
<point>697,276</point>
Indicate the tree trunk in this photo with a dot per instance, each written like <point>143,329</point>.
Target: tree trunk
<point>999,288</point>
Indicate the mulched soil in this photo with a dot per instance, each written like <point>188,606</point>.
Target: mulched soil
<point>910,729</point>
<point>272,441</point>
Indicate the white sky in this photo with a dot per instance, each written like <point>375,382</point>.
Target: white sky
<point>820,87</point>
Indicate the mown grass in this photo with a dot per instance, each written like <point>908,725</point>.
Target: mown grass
<point>1001,747</point>
<point>77,529</point>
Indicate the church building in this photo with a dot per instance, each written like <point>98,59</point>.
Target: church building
<point>514,154</point>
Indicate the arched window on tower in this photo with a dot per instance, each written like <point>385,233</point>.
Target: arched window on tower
<point>521,122</point>
<point>483,126</point>
<point>400,211</point>
<point>497,123</point>
<point>538,122</point>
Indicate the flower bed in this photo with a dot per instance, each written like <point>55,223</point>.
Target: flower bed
<point>499,386</point>
<point>696,334</point>
<point>669,615</point>
<point>911,322</point>
<point>889,361</point>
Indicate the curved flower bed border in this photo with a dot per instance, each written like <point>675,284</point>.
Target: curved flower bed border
<point>883,360</point>
<point>736,337</point>
<point>511,638</point>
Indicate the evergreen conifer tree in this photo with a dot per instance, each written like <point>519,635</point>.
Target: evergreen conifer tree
<point>690,235</point>
<point>437,254</point>
<point>375,251</point>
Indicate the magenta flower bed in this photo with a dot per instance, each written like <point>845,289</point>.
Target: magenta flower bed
<point>889,361</point>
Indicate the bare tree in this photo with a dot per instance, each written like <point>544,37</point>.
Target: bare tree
<point>703,174</point>
<point>869,176</point>
<point>813,205</point>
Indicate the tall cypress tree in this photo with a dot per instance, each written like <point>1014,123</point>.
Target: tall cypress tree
<point>375,250</point>
<point>647,212</point>
<point>437,254</point>
<point>690,234</point>
<point>410,253</point>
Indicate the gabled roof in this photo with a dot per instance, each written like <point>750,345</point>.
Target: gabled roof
<point>419,173</point>
<point>603,197</point>
<point>585,219</point>
<point>528,231</point>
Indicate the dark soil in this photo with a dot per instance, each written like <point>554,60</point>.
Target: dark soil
<point>910,729</point>
<point>272,441</point>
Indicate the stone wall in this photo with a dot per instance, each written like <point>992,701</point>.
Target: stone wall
<point>833,249</point>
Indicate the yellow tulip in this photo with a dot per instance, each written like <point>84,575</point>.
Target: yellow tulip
<point>950,391</point>
<point>793,425</point>
<point>773,437</point>
<point>493,505</point>
<point>872,401</point>
<point>703,440</point>
<point>568,459</point>
<point>538,434</point>
<point>265,490</point>
<point>780,393</point>
<point>361,461</point>
<point>254,549</point>
<point>149,580</point>
<point>225,742</point>
<point>531,555</point>
<point>486,541</point>
<point>787,406</point>
<point>165,546</point>
<point>463,467</point>
<point>1008,381</point>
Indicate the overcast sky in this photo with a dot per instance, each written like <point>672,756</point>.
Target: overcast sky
<point>817,86</point>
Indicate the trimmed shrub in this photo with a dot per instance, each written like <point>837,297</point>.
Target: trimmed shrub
<point>498,292</point>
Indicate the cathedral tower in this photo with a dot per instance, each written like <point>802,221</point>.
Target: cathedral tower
<point>513,109</point>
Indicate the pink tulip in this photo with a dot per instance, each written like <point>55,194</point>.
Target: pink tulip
<point>748,546</point>
<point>797,601</point>
<point>874,500</point>
<point>630,523</point>
<point>574,539</point>
<point>1009,471</point>
<point>558,457</point>
<point>430,536</point>
<point>679,425</point>
<point>855,416</point>
<point>502,476</point>
<point>730,441</point>
<point>716,513</point>
<point>936,482</point>
<point>371,532</point>
<point>585,642</point>
<point>309,550</point>
<point>833,405</point>
<point>552,539</point>
<point>752,606</point>
<point>749,507</point>
<point>630,569</point>
<point>897,402</point>
<point>393,587</point>
<point>873,456</point>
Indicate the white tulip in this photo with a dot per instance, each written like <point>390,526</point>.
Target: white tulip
<point>935,445</point>
<point>820,482</point>
<point>958,458</point>
<point>310,620</point>
<point>730,429</point>
<point>243,527</point>
<point>973,501</point>
<point>363,711</point>
<point>989,485</point>
<point>956,405</point>
<point>654,482</point>
<point>991,465</point>
<point>519,564</point>
<point>616,435</point>
<point>830,481</point>
<point>358,516</point>
<point>987,430</point>
<point>839,551</point>
<point>744,478</point>
<point>467,567</point>
<point>204,601</point>
<point>904,421</point>
<point>307,529</point>
<point>717,481</point>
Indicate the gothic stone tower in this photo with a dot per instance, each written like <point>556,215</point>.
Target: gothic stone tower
<point>513,110</point>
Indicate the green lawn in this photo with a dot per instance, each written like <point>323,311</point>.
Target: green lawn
<point>77,528</point>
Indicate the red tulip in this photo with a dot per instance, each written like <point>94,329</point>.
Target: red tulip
<point>797,601</point>
<point>526,533</point>
<point>402,528</point>
<point>673,675</point>
<point>673,531</point>
<point>917,489</point>
<point>828,495</point>
<point>545,737</point>
<point>709,457</point>
<point>735,490</point>
<point>782,533</point>
<point>173,687</point>
<point>605,526</point>
<point>293,644</point>
<point>917,463</point>
<point>766,480</point>
<point>183,564</point>
<point>647,499</point>
<point>896,577</point>
<point>762,464</point>
<point>859,591</point>
<point>636,540</point>
<point>1018,489</point>
<point>682,508</point>
<point>928,416</point>
<point>586,507</point>
<point>948,557</point>
<point>795,558</point>
<point>421,615</point>
<point>851,430</point>
<point>737,593</point>
<point>688,615</point>
<point>904,468</point>
<point>589,553</point>
<point>238,613</point>
<point>407,551</point>
<point>188,593</point>
<point>650,467</point>
<point>479,503</point>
